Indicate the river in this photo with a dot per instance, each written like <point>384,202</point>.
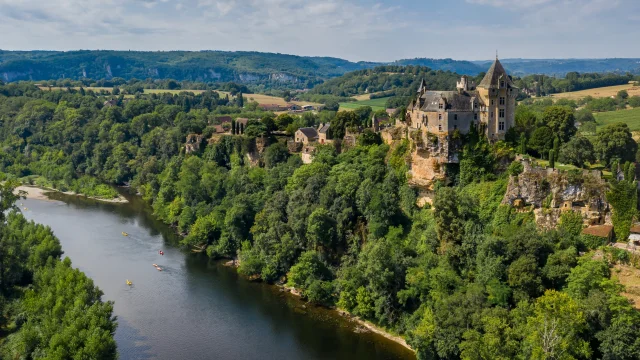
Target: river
<point>194,308</point>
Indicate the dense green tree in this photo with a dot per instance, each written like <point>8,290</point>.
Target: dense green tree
<point>578,151</point>
<point>614,141</point>
<point>561,121</point>
<point>541,140</point>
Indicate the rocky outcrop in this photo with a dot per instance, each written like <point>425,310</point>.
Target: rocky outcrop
<point>549,192</point>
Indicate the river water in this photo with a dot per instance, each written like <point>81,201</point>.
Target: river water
<point>194,308</point>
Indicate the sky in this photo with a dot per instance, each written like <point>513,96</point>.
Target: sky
<point>378,30</point>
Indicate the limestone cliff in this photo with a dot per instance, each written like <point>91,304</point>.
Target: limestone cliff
<point>549,192</point>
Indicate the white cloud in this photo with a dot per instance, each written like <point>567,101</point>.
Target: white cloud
<point>353,29</point>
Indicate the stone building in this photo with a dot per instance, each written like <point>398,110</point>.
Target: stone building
<point>306,135</point>
<point>323,134</point>
<point>489,106</point>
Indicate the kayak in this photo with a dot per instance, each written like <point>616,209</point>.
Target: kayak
<point>129,283</point>
<point>124,234</point>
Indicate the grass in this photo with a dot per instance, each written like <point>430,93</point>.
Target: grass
<point>376,104</point>
<point>630,278</point>
<point>607,91</point>
<point>631,117</point>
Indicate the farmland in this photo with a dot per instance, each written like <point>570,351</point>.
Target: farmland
<point>376,104</point>
<point>631,117</point>
<point>632,89</point>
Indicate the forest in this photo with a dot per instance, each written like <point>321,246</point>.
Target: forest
<point>48,309</point>
<point>465,278</point>
<point>573,81</point>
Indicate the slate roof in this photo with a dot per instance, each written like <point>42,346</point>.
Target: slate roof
<point>309,132</point>
<point>599,230</point>
<point>455,101</point>
<point>492,79</point>
<point>324,129</point>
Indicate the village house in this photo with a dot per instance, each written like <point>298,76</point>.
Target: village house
<point>391,112</point>
<point>323,134</point>
<point>605,232</point>
<point>110,103</point>
<point>306,135</point>
<point>634,235</point>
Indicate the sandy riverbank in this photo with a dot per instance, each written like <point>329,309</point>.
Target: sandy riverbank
<point>32,192</point>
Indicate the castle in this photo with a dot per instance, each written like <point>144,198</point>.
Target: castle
<point>489,106</point>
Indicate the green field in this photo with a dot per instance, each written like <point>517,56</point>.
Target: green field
<point>631,117</point>
<point>376,104</point>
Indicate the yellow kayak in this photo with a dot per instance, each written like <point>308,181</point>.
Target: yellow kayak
<point>129,283</point>
<point>124,234</point>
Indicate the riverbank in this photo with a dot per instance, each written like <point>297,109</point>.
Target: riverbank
<point>363,323</point>
<point>234,263</point>
<point>39,193</point>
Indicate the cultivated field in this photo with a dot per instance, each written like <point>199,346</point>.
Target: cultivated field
<point>364,96</point>
<point>376,104</point>
<point>631,117</point>
<point>632,89</point>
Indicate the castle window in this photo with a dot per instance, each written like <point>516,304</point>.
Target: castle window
<point>455,117</point>
<point>440,127</point>
<point>502,100</point>
<point>501,114</point>
<point>501,126</point>
<point>475,116</point>
<point>441,106</point>
<point>439,116</point>
<point>502,83</point>
<point>491,102</point>
<point>491,115</point>
<point>455,127</point>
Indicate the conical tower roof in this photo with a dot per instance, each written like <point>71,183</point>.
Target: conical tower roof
<point>492,79</point>
<point>423,86</point>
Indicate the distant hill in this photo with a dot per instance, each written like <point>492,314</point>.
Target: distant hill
<point>560,67</point>
<point>205,66</point>
<point>266,69</point>
<point>457,66</point>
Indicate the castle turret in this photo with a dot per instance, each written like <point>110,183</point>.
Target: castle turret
<point>499,94</point>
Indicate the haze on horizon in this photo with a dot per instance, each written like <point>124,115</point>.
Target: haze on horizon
<point>382,30</point>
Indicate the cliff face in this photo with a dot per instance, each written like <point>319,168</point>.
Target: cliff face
<point>429,155</point>
<point>549,192</point>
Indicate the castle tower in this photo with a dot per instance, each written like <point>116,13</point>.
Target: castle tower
<point>498,94</point>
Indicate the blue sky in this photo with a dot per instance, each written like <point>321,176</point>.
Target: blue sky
<point>380,30</point>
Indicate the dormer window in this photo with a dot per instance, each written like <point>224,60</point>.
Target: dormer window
<point>441,106</point>
<point>502,84</point>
